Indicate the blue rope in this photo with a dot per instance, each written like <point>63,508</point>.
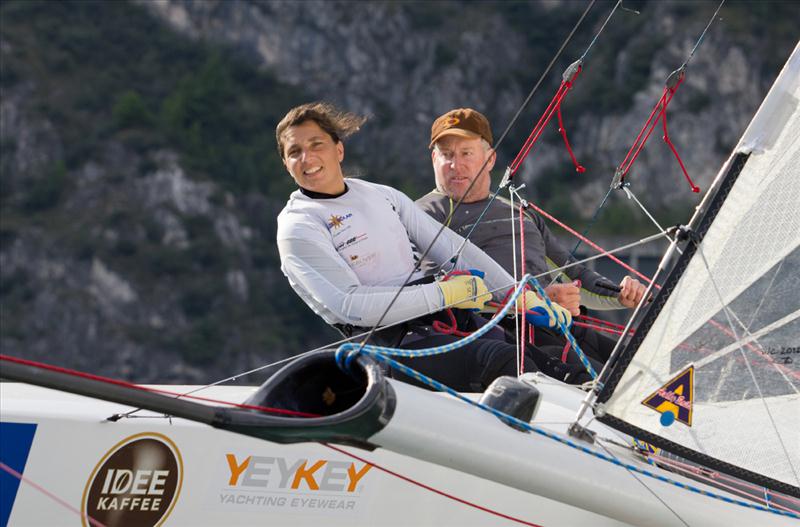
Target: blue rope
<point>347,352</point>
<point>551,435</point>
<point>567,333</point>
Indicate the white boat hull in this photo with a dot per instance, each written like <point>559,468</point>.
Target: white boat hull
<point>231,479</point>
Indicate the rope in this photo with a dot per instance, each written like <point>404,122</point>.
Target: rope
<point>672,82</point>
<point>522,339</point>
<point>569,77</point>
<point>563,440</point>
<point>90,376</point>
<point>434,490</point>
<point>659,112</point>
<point>346,353</point>
<point>588,242</point>
<point>50,495</point>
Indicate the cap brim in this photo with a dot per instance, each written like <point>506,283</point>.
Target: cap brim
<point>466,134</point>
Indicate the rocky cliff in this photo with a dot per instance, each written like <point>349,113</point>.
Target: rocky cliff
<point>139,182</point>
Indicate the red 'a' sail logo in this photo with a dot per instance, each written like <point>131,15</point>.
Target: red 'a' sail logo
<point>676,396</point>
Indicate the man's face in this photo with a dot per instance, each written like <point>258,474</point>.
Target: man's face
<point>313,159</point>
<point>456,161</point>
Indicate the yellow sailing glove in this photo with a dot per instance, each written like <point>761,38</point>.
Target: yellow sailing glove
<point>464,292</point>
<point>538,314</point>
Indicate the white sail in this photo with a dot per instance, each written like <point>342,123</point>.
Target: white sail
<point>723,354</point>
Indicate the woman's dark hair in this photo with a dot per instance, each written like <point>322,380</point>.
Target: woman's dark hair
<point>336,123</point>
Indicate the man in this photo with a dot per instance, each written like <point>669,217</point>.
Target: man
<point>461,151</point>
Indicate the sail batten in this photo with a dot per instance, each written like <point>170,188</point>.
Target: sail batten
<point>714,371</point>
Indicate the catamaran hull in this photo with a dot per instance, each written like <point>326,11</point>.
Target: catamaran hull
<point>153,470</point>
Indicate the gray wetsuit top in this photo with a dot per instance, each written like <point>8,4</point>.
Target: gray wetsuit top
<point>493,234</point>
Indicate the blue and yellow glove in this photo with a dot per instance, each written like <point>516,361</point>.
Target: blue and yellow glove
<point>538,314</point>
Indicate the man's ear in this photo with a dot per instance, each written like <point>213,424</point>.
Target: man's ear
<point>492,159</point>
<point>340,151</point>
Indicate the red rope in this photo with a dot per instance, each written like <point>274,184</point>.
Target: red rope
<point>50,495</point>
<point>659,112</point>
<point>589,242</point>
<point>578,167</point>
<point>126,384</point>
<point>667,140</point>
<point>638,143</point>
<point>452,329</point>
<point>537,130</point>
<point>600,328</point>
<point>564,352</point>
<point>553,107</point>
<point>603,322</point>
<point>434,490</point>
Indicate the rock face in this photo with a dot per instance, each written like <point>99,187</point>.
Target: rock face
<point>132,263</point>
<point>405,64</point>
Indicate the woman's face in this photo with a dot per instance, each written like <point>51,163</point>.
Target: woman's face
<point>313,159</point>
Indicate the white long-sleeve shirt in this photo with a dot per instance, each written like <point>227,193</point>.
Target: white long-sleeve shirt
<point>347,256</point>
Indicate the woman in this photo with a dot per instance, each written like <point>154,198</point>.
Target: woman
<point>347,245</point>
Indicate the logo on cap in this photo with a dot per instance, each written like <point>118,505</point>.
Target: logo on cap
<point>136,483</point>
<point>452,121</point>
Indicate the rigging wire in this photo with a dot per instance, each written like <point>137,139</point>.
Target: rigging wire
<point>703,34</point>
<point>675,78</point>
<point>643,484</point>
<point>365,333</point>
<point>379,354</point>
<point>726,310</point>
<point>567,79</point>
<point>472,183</point>
<point>368,335</point>
<point>603,27</point>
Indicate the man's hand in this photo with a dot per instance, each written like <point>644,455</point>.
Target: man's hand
<point>632,292</point>
<point>567,295</point>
